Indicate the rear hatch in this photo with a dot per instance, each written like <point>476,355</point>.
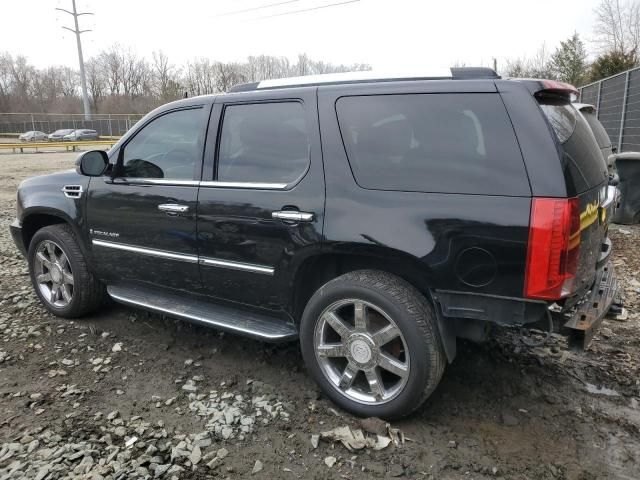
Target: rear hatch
<point>586,178</point>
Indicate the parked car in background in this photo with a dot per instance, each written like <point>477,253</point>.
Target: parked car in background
<point>33,136</point>
<point>602,137</point>
<point>58,135</point>
<point>81,134</point>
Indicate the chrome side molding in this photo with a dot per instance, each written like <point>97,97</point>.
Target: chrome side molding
<point>246,267</point>
<point>145,251</point>
<point>206,261</point>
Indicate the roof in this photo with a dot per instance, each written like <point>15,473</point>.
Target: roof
<point>453,73</point>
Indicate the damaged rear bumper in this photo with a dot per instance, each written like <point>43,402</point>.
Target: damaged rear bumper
<point>584,319</point>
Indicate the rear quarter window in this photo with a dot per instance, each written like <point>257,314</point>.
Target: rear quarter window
<point>446,143</point>
<point>583,164</point>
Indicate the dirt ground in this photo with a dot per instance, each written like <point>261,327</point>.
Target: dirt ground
<point>124,394</point>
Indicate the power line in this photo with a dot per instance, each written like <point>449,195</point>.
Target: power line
<point>236,12</point>
<point>76,30</point>
<point>293,12</point>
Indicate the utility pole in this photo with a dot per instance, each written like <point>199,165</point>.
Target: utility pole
<point>83,78</point>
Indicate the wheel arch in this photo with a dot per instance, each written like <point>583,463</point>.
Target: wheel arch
<point>317,269</point>
<point>34,219</point>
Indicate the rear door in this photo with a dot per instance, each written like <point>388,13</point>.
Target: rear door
<point>585,175</point>
<point>261,201</point>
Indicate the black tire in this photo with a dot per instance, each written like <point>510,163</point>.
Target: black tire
<point>88,292</point>
<point>414,316</point>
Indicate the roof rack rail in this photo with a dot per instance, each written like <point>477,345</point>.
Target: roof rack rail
<point>454,73</point>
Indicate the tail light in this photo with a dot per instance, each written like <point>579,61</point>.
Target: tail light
<point>554,248</point>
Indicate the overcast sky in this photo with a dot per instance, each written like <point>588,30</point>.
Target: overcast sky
<point>398,35</point>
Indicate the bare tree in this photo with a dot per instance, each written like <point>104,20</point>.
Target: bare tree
<point>617,26</point>
<point>120,81</point>
<point>166,77</point>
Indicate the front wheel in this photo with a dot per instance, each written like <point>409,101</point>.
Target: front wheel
<point>60,274</point>
<point>371,342</point>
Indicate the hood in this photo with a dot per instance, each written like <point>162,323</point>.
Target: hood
<point>57,180</point>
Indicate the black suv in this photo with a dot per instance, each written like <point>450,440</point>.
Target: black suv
<point>375,219</point>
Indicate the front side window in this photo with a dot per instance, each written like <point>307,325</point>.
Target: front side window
<point>166,148</point>
<point>264,143</point>
<point>444,143</point>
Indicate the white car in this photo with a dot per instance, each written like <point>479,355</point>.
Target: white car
<point>33,136</point>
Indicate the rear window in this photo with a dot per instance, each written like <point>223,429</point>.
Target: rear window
<point>263,142</point>
<point>447,143</point>
<point>583,164</point>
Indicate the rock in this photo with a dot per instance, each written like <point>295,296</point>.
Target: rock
<point>174,469</point>
<point>257,467</point>
<point>452,444</point>
<point>116,347</point>
<point>330,461</point>
<point>221,453</point>
<point>120,431</point>
<point>161,470</point>
<point>315,439</point>
<point>189,386</point>
<point>196,455</point>
<point>622,316</point>
<point>396,470</point>
<point>374,425</point>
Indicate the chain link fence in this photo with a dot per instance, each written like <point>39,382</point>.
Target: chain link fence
<point>617,102</point>
<point>111,125</point>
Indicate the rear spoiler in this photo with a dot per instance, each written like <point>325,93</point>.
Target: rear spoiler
<point>539,86</point>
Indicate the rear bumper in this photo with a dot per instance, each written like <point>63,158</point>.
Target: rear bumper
<point>18,239</point>
<point>585,319</point>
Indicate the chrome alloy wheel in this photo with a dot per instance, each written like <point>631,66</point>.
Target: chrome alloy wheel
<point>361,351</point>
<point>53,274</point>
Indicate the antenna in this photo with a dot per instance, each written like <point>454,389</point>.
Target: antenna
<point>83,78</point>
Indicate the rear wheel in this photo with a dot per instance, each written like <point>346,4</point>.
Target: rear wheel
<point>60,275</point>
<point>370,341</point>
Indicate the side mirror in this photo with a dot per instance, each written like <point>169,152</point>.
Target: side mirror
<point>92,163</point>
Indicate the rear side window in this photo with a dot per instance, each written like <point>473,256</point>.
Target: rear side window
<point>263,142</point>
<point>583,163</point>
<point>449,143</point>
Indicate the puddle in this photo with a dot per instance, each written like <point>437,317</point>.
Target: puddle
<point>601,390</point>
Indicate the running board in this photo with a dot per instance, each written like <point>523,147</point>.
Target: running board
<point>241,322</point>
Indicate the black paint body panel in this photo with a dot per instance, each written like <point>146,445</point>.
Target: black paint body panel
<point>449,241</point>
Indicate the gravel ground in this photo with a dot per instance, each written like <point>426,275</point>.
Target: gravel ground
<point>123,394</point>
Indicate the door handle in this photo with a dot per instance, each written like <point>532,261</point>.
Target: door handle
<point>292,216</point>
<point>173,208</point>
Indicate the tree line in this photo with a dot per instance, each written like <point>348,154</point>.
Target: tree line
<point>121,81</point>
<point>616,41</point>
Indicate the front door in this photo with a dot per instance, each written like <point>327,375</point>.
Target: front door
<point>261,202</point>
<point>142,222</point>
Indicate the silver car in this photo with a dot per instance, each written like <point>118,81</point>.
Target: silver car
<point>58,135</point>
<point>81,134</point>
<point>33,136</point>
